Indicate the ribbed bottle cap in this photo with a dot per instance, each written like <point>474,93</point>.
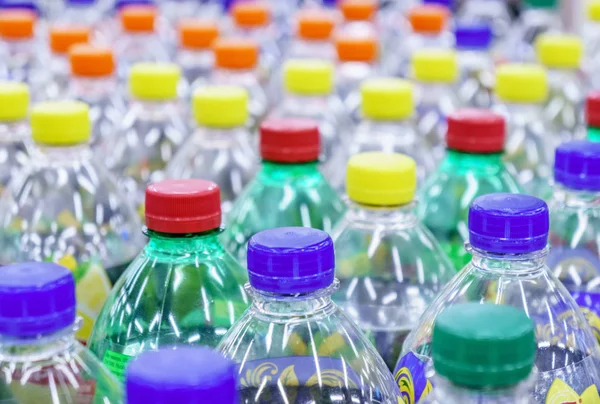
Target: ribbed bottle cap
<point>358,10</point>
<point>250,14</point>
<point>60,123</point>
<point>521,83</point>
<point>428,18</point>
<point>183,206</point>
<point>315,25</point>
<point>483,345</point>
<point>236,53</point>
<point>62,37</point>
<point>541,3</point>
<point>290,140</point>
<point>475,131</point>
<point>220,106</point>
<point>387,99</point>
<point>14,100</point>
<point>29,5</point>
<point>308,76</point>
<point>184,374</point>
<point>138,17</point>
<point>36,298</point>
<point>154,81</point>
<point>473,36</point>
<point>435,65</point>
<point>593,10</point>
<point>559,51</point>
<point>577,165</point>
<point>290,260</point>
<point>119,4</point>
<point>197,33</point>
<point>357,48</point>
<point>91,61</point>
<point>592,109</point>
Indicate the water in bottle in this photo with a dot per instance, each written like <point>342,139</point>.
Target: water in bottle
<point>492,13</point>
<point>313,36</point>
<point>472,167</point>
<point>41,361</point>
<point>183,288</point>
<point>289,189</point>
<point>508,235</point>
<point>592,116</point>
<point>322,358</point>
<point>390,266</point>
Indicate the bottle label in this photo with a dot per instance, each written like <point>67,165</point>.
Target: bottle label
<point>117,363</point>
<point>410,377</point>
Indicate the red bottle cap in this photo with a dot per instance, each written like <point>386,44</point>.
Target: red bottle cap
<point>183,206</point>
<point>475,131</point>
<point>592,109</point>
<point>290,140</point>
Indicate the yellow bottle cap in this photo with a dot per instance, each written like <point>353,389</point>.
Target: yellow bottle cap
<point>154,81</point>
<point>593,10</point>
<point>308,77</point>
<point>435,65</point>
<point>381,179</point>
<point>60,123</point>
<point>220,106</point>
<point>560,51</point>
<point>521,83</point>
<point>387,99</point>
<point>14,100</point>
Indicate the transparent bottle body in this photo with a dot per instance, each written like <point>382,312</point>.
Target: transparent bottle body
<point>23,60</point>
<point>447,194</point>
<point>565,106</point>
<point>447,393</point>
<point>301,348</point>
<point>390,269</point>
<point>568,355</point>
<point>196,68</point>
<point>15,147</point>
<point>181,289</point>
<point>494,13</point>
<point>519,44</point>
<point>397,62</point>
<point>132,48</point>
<point>349,77</point>
<point>477,78</point>
<point>591,63</point>
<point>269,39</point>
<point>56,84</point>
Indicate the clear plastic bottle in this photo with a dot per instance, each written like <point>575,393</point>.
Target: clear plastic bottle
<point>360,18</point>
<point>183,288</point>
<point>294,344</point>
<point>387,108</point>
<point>191,375</point>
<point>390,266</point>
<point>592,116</point>
<point>41,361</point>
<point>575,223</point>
<point>92,13</point>
<point>508,235</point>
<point>152,130</point>
<point>472,167</point>
<point>591,40</point>
<point>492,13</point>
<point>522,90</point>
<point>220,149</point>
<point>67,208</point>
<point>482,354</point>
<point>289,189</point>
<point>313,36</point>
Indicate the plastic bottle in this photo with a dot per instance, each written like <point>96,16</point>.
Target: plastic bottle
<point>41,361</point>
<point>360,18</point>
<point>591,39</point>
<point>390,266</point>
<point>182,375</point>
<point>91,13</point>
<point>508,235</point>
<point>313,36</point>
<point>592,116</point>
<point>221,149</point>
<point>67,208</point>
<point>472,167</point>
<point>492,13</point>
<point>151,132</point>
<point>289,189</point>
<point>522,90</point>
<point>575,223</point>
<point>282,359</point>
<point>183,288</point>
<point>388,108</point>
<point>482,354</point>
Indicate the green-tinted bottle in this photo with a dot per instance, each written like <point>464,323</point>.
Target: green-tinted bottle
<point>592,109</point>
<point>183,288</point>
<point>472,167</point>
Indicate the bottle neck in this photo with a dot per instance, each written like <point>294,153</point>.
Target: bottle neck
<point>63,155</point>
<point>462,162</point>
<point>93,88</point>
<point>153,110</point>
<point>180,244</point>
<point>576,199</point>
<point>370,216</point>
<point>447,392</point>
<point>37,348</point>
<point>285,171</point>
<point>521,264</point>
<point>432,93</point>
<point>521,114</point>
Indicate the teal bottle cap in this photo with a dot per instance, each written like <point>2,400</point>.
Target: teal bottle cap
<point>541,3</point>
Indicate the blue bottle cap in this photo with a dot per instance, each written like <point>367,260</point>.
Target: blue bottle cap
<point>473,36</point>
<point>31,5</point>
<point>183,374</point>
<point>291,260</point>
<point>82,2</point>
<point>36,298</point>
<point>122,3</point>
<point>508,223</point>
<point>445,3</point>
<point>577,165</point>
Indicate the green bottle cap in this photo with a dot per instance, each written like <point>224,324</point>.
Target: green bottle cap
<point>541,3</point>
<point>483,345</point>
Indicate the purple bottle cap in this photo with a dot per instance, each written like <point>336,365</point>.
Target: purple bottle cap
<point>508,223</point>
<point>31,5</point>
<point>82,2</point>
<point>36,298</point>
<point>473,36</point>
<point>184,374</point>
<point>329,3</point>
<point>577,165</point>
<point>291,260</point>
<point>445,3</point>
<point>122,3</point>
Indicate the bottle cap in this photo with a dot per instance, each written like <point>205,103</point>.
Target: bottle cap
<point>250,14</point>
<point>197,34</point>
<point>381,179</point>
<point>593,10</point>
<point>592,109</point>
<point>138,17</point>
<point>445,3</point>
<point>220,106</point>
<point>473,36</point>
<point>290,260</point>
<point>521,83</point>
<point>28,5</point>
<point>428,19</point>
<point>475,131</point>
<point>541,3</point>
<point>290,140</point>
<point>315,25</point>
<point>387,99</point>
<point>356,48</point>
<point>36,298</point>
<point>235,53</point>
<point>17,24</point>
<point>60,123</point>
<point>308,77</point>
<point>119,4</point>
<point>91,61</point>
<point>154,81</point>
<point>435,66</point>
<point>483,345</point>
<point>183,206</point>
<point>577,165</point>
<point>559,51</point>
<point>63,37</point>
<point>508,223</point>
<point>358,10</point>
<point>14,101</point>
<point>181,374</point>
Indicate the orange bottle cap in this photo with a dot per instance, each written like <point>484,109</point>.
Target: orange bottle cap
<point>63,37</point>
<point>250,14</point>
<point>197,34</point>
<point>138,18</point>
<point>314,25</point>
<point>428,18</point>
<point>358,10</point>
<point>235,53</point>
<point>17,24</point>
<point>356,49</point>
<point>91,61</point>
